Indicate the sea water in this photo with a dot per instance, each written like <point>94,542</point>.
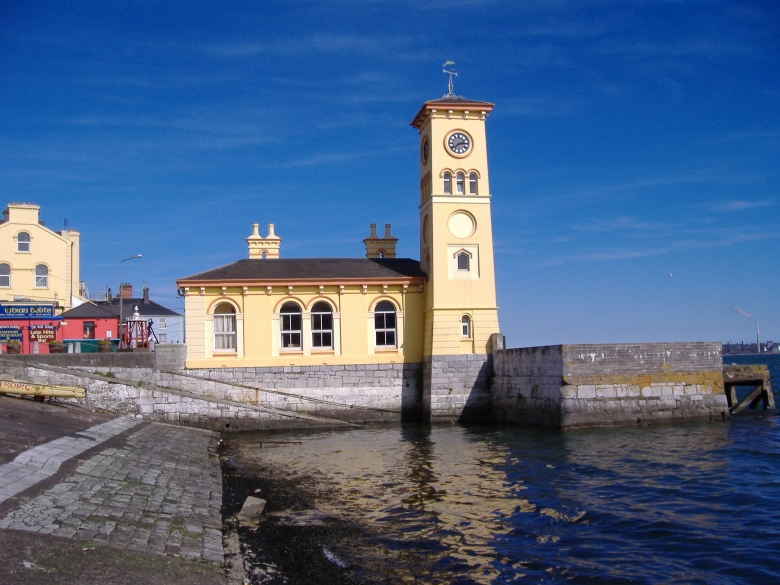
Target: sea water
<point>687,503</point>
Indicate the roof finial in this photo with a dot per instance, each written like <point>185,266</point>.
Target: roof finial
<point>449,69</point>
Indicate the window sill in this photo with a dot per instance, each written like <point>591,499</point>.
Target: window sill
<point>295,350</point>
<point>386,349</point>
<point>225,353</point>
<point>322,351</point>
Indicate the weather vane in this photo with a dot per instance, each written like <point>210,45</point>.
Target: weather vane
<point>449,69</point>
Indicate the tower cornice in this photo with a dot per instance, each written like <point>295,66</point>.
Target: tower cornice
<point>446,107</point>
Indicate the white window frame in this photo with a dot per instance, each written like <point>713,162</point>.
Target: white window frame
<point>41,280</point>
<point>225,330</point>
<point>163,338</point>
<point>448,183</point>
<point>381,327</point>
<point>5,279</point>
<point>289,328</point>
<point>467,256</point>
<point>162,323</point>
<point>472,183</point>
<point>20,243</point>
<point>317,328</point>
<point>465,327</point>
<point>460,183</point>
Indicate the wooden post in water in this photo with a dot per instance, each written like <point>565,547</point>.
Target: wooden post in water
<point>748,375</point>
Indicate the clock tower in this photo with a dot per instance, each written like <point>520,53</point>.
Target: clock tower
<point>456,236</point>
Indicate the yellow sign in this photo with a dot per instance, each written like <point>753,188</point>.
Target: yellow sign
<point>27,388</point>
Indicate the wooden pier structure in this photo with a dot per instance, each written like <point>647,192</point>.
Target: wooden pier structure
<point>756,376</point>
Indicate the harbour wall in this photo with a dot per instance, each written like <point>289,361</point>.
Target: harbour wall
<point>553,386</point>
<point>608,384</point>
<point>157,387</point>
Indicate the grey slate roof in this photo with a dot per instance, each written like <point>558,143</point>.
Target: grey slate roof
<point>88,311</point>
<point>149,309</point>
<point>313,268</point>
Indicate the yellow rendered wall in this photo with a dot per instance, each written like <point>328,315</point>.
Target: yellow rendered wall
<point>59,252</point>
<point>258,335</point>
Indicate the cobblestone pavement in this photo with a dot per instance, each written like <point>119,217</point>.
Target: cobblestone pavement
<point>43,461</point>
<point>160,492</point>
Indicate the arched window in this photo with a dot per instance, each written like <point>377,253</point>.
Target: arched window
<point>459,183</point>
<point>465,327</point>
<point>448,183</point>
<point>5,275</point>
<point>291,326</point>
<point>384,324</point>
<point>224,327</point>
<point>23,242</point>
<point>41,276</point>
<point>463,261</point>
<point>473,183</point>
<point>321,326</point>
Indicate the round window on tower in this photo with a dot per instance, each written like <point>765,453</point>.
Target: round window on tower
<point>462,224</point>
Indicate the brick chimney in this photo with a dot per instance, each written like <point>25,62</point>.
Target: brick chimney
<point>146,294</point>
<point>377,247</point>
<point>126,290</point>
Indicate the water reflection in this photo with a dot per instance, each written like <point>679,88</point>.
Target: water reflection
<point>488,505</point>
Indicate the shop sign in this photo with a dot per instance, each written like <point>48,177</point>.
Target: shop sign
<point>26,311</point>
<point>43,333</point>
<point>10,333</point>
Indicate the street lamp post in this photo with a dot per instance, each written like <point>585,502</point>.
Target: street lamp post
<point>121,296</point>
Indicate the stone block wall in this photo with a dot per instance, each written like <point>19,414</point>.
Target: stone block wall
<point>608,384</point>
<point>456,388</point>
<point>362,393</point>
<point>358,392</point>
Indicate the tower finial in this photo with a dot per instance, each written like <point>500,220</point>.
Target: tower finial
<point>449,69</point>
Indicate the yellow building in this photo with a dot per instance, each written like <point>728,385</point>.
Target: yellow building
<point>37,263</point>
<point>438,312</point>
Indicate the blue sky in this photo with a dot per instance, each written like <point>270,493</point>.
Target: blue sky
<point>634,146</point>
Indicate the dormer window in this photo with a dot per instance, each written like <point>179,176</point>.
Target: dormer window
<point>459,183</point>
<point>448,183</point>
<point>473,183</point>
<point>464,261</point>
<point>23,242</point>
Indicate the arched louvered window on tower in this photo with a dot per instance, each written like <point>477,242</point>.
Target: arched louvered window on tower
<point>472,183</point>
<point>448,183</point>
<point>459,178</point>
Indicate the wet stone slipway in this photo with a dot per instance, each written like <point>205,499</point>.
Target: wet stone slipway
<point>160,491</point>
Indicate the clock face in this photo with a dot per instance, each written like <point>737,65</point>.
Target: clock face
<point>425,150</point>
<point>458,142</point>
